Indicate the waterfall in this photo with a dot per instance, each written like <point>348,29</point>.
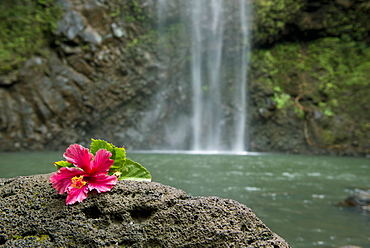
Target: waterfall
<point>203,49</point>
<point>207,117</point>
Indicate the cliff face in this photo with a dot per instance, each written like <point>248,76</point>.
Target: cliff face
<point>311,96</point>
<point>92,70</point>
<point>307,20</point>
<point>308,78</point>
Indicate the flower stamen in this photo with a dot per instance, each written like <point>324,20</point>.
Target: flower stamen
<point>77,182</point>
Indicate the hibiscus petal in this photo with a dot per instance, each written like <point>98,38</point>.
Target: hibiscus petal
<point>79,156</point>
<point>101,163</point>
<point>76,195</point>
<point>61,179</point>
<point>102,182</point>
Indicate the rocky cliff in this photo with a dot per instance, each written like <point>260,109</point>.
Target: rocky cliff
<point>95,71</point>
<point>133,214</point>
<point>91,74</point>
<point>308,77</point>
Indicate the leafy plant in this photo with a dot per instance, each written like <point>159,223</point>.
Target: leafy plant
<point>123,168</point>
<point>280,97</point>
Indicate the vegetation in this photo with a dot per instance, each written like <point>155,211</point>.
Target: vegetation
<point>319,70</point>
<point>129,11</point>
<point>136,12</point>
<point>271,18</point>
<point>348,21</point>
<point>26,30</point>
<point>41,238</point>
<point>328,77</point>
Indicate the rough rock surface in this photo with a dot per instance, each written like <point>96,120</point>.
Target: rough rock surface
<point>133,214</point>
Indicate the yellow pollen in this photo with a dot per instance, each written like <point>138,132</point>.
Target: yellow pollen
<point>77,182</point>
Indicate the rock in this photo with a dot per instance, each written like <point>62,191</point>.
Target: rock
<point>71,25</point>
<point>360,199</point>
<point>133,214</point>
<point>350,246</point>
<point>9,79</point>
<point>118,31</point>
<point>264,113</point>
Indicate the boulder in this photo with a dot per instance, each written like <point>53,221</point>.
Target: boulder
<point>350,246</point>
<point>359,199</point>
<point>133,214</point>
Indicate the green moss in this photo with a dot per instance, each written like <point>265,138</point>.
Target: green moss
<point>147,41</point>
<point>132,12</point>
<point>348,23</point>
<point>319,70</point>
<point>41,238</point>
<point>132,15</point>
<point>25,31</point>
<point>271,17</point>
<point>299,112</point>
<point>280,98</point>
<point>326,81</point>
<point>44,237</point>
<point>327,137</point>
<point>340,69</point>
<point>138,11</point>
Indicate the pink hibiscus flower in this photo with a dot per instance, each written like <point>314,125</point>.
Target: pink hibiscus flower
<point>89,174</point>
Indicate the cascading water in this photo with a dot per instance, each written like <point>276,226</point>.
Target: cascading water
<point>203,51</point>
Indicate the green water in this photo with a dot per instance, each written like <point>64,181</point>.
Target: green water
<point>294,195</point>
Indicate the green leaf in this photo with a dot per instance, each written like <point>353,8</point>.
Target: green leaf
<point>96,145</point>
<point>119,156</point>
<point>61,164</point>
<point>125,168</point>
<point>134,171</point>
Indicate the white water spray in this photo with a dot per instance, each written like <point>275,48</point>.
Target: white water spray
<point>204,51</point>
